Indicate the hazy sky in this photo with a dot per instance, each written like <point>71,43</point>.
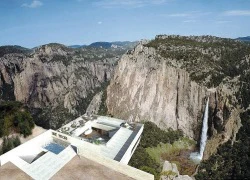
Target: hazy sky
<point>31,23</point>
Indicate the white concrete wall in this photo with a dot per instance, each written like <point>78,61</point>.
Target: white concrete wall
<point>113,121</point>
<point>128,154</point>
<point>80,130</point>
<point>30,148</point>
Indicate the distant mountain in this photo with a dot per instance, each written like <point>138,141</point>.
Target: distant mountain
<point>106,45</point>
<point>77,46</point>
<point>125,43</point>
<point>13,49</point>
<point>101,44</point>
<point>116,44</point>
<point>246,39</point>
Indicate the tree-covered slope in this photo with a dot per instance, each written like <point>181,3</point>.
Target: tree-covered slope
<point>13,49</point>
<point>245,39</point>
<point>208,59</point>
<point>15,118</point>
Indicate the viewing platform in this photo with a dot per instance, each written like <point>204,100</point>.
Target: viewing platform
<point>104,141</point>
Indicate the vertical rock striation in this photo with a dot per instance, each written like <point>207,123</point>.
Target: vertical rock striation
<point>144,87</point>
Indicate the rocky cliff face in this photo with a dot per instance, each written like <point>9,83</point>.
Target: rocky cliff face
<point>55,78</point>
<point>168,80</point>
<point>224,119</point>
<point>145,88</point>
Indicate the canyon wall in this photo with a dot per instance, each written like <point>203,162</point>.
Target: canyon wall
<point>55,78</point>
<point>145,88</point>
<point>151,85</point>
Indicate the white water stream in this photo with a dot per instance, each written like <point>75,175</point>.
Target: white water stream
<point>197,156</point>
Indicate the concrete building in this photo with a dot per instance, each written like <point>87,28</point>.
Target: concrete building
<point>100,144</point>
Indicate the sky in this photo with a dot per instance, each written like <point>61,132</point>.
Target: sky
<point>31,23</point>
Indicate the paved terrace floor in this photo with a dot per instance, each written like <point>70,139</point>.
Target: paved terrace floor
<point>10,172</point>
<point>83,168</point>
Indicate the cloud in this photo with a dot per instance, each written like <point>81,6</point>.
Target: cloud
<point>191,14</point>
<point>190,21</point>
<point>222,22</point>
<point>179,15</point>
<point>129,3</point>
<point>237,13</point>
<point>100,22</point>
<point>33,4</point>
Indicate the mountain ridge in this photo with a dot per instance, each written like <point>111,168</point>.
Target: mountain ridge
<point>245,39</point>
<point>106,44</point>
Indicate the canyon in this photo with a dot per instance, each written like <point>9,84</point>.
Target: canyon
<point>55,81</point>
<point>166,80</point>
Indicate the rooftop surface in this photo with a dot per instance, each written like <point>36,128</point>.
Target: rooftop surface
<point>113,136</point>
<point>11,172</point>
<point>55,154</point>
<point>84,123</point>
<point>83,168</point>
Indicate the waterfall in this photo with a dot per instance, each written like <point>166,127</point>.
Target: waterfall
<point>204,131</point>
<point>197,156</point>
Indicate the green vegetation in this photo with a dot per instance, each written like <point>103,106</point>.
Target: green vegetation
<point>99,54</point>
<point>6,91</point>
<point>208,59</point>
<point>151,171</point>
<point>97,142</point>
<point>9,143</point>
<point>231,161</point>
<point>13,49</point>
<point>168,173</point>
<point>170,149</point>
<point>141,159</point>
<point>14,117</point>
<point>66,60</point>
<point>152,136</point>
<point>244,92</point>
<point>177,153</point>
<point>103,110</point>
<point>52,118</point>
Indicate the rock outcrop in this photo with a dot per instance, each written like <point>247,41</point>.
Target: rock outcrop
<point>224,119</point>
<point>94,105</point>
<point>170,172</point>
<point>57,78</point>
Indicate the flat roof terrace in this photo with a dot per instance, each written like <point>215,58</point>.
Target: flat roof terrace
<point>52,153</point>
<point>115,138</point>
<point>92,128</point>
<point>11,172</point>
<point>83,168</point>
